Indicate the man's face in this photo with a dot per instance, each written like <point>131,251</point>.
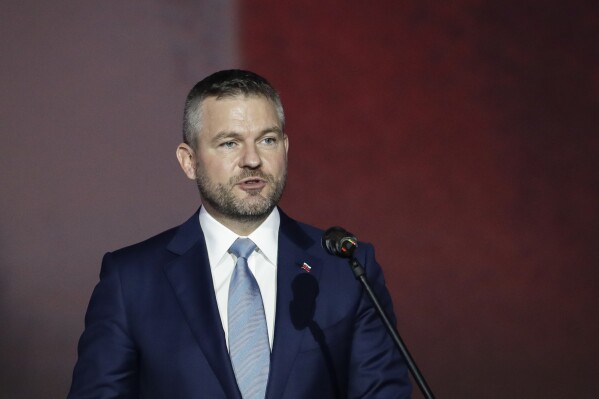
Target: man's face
<point>241,157</point>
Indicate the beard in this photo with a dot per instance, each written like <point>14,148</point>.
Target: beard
<point>253,207</point>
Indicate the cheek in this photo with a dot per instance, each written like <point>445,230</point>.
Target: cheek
<point>218,169</point>
<point>279,163</point>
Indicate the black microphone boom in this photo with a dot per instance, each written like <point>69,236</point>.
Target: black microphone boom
<point>339,242</point>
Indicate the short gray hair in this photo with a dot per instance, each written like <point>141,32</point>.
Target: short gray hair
<point>224,84</point>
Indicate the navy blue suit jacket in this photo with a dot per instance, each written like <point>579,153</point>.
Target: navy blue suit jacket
<point>152,328</point>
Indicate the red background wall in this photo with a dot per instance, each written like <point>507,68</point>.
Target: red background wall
<point>460,139</point>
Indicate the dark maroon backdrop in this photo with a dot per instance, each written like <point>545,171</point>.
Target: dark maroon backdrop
<point>461,140</point>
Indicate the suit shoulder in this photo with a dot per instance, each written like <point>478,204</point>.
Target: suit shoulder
<point>312,231</point>
<point>314,234</point>
<point>160,247</point>
<point>304,235</point>
<point>151,247</point>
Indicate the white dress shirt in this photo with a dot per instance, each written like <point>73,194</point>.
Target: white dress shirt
<point>262,263</point>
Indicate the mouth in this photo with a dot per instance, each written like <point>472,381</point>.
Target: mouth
<point>252,183</point>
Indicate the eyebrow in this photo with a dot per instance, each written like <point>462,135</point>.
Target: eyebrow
<point>274,129</point>
<point>228,134</point>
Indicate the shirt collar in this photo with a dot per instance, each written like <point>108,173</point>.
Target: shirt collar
<point>219,238</point>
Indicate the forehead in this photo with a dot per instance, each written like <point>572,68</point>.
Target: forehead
<point>237,110</point>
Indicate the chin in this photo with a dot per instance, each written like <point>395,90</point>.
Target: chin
<point>255,205</point>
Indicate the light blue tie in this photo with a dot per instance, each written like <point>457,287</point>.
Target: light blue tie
<point>248,338</point>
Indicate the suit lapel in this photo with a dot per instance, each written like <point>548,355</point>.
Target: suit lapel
<point>297,289</point>
<point>189,275</point>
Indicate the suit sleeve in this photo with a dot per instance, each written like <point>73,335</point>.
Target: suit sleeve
<point>107,357</point>
<point>377,369</point>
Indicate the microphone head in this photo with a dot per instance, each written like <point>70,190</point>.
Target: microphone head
<point>339,242</point>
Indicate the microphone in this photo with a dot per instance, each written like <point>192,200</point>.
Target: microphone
<point>339,242</point>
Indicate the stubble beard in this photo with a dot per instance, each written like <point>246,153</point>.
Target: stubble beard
<point>253,207</point>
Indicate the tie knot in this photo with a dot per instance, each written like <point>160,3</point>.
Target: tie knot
<point>242,248</point>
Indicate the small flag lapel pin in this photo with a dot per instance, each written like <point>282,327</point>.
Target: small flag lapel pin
<point>307,268</point>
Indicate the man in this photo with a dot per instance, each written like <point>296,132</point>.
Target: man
<point>181,316</point>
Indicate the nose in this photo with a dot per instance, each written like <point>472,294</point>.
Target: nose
<point>250,158</point>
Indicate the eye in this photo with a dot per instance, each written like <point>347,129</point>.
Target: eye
<point>228,144</point>
<point>269,140</point>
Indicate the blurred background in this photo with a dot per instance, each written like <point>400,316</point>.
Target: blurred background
<point>460,138</point>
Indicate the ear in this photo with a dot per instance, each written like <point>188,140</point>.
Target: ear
<point>286,142</point>
<point>187,160</point>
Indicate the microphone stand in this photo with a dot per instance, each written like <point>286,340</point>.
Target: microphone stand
<point>416,374</point>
